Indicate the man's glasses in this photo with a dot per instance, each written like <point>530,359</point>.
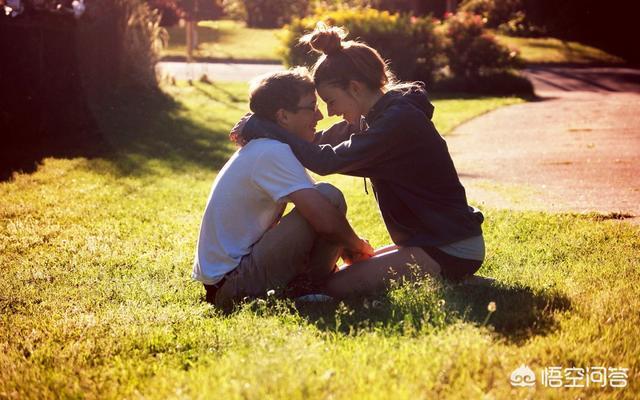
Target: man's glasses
<point>313,108</point>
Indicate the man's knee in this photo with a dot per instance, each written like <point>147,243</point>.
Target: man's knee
<point>334,195</point>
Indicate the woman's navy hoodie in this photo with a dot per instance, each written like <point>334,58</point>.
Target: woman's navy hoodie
<point>415,182</point>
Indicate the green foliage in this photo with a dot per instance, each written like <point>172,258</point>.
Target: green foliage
<point>119,44</point>
<point>265,13</point>
<point>143,39</point>
<point>509,16</point>
<point>496,12</point>
<point>552,50</point>
<point>410,44</point>
<point>505,83</point>
<point>234,10</point>
<point>472,51</point>
<point>462,42</point>
<point>226,39</point>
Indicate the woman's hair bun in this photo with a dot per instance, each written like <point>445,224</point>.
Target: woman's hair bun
<point>325,39</point>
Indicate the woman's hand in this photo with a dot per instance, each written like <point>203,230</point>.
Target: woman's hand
<point>364,251</point>
<point>236,132</point>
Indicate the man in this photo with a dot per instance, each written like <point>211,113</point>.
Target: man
<point>244,248</point>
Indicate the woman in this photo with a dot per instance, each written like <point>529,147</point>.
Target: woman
<point>397,147</point>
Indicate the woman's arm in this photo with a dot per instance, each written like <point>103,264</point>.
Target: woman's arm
<point>349,157</point>
<point>336,133</point>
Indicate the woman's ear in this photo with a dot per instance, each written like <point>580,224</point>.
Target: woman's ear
<point>355,88</point>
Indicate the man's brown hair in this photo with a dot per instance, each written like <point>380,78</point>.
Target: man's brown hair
<point>280,90</point>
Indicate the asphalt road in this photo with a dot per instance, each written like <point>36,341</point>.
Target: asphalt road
<point>575,150</point>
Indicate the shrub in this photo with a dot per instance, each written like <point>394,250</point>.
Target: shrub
<point>497,84</point>
<point>472,51</point>
<point>234,9</point>
<point>174,10</point>
<point>411,45</point>
<point>143,38</point>
<point>129,35</point>
<point>496,12</point>
<point>265,13</point>
<point>509,16</point>
<point>170,11</point>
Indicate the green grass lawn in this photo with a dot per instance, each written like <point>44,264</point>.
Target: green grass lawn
<point>96,299</point>
<point>226,40</point>
<point>553,51</point>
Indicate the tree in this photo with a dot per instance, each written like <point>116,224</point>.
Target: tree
<point>197,10</point>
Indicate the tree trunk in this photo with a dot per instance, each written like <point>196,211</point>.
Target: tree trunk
<point>189,38</point>
<point>451,6</point>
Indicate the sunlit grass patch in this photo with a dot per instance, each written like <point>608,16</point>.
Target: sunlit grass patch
<point>226,40</point>
<point>552,50</point>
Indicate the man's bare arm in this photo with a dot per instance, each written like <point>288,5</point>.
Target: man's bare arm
<point>328,221</point>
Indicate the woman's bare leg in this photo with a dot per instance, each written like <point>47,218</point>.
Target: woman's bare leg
<point>369,276</point>
<point>385,249</point>
<point>378,252</point>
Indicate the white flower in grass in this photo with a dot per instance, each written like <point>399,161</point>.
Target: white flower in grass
<point>366,303</point>
<point>271,292</point>
<point>491,307</point>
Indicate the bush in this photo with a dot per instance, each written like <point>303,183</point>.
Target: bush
<point>509,16</point>
<point>496,12</point>
<point>118,44</point>
<point>143,40</point>
<point>170,11</point>
<point>411,45</point>
<point>472,51</point>
<point>497,84</point>
<point>265,13</point>
<point>174,10</point>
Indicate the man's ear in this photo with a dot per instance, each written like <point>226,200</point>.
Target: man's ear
<point>282,117</point>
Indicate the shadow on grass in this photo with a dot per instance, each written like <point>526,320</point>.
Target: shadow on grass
<point>144,130</point>
<point>229,99</point>
<point>31,140</point>
<point>137,131</point>
<point>521,313</point>
<point>39,120</point>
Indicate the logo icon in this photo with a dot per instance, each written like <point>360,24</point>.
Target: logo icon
<point>523,376</point>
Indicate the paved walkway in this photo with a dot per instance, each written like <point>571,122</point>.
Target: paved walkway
<point>240,72</point>
<point>578,149</point>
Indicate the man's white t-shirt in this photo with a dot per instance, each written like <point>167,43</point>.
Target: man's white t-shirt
<point>247,197</point>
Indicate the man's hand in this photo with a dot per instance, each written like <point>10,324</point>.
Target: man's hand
<point>326,220</point>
